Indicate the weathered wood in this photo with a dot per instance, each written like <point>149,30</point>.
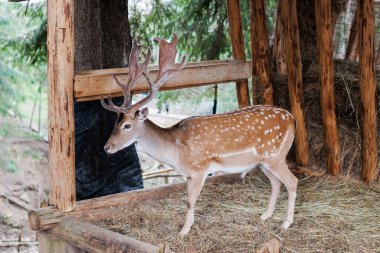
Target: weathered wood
<point>326,73</point>
<point>91,85</point>
<point>238,52</point>
<point>106,206</point>
<point>261,48</point>
<point>352,45</point>
<point>61,104</point>
<point>367,79</point>
<point>92,238</point>
<point>51,244</point>
<point>279,45</point>
<point>295,85</point>
<point>253,57</point>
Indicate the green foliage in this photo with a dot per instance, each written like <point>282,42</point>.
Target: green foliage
<point>22,55</point>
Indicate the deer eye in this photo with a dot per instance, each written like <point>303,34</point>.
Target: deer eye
<point>127,126</point>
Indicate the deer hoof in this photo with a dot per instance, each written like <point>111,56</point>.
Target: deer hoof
<point>265,216</point>
<point>287,224</point>
<point>184,232</point>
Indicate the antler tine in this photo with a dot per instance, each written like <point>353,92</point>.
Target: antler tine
<point>110,106</point>
<point>167,69</point>
<point>167,54</point>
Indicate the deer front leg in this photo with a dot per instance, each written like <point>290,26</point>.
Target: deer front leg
<point>276,186</point>
<point>194,187</point>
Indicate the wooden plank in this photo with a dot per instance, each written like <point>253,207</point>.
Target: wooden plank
<point>295,85</point>
<point>61,104</point>
<point>92,238</point>
<point>106,206</point>
<point>238,51</point>
<point>261,48</point>
<point>367,79</point>
<point>90,85</point>
<point>326,72</point>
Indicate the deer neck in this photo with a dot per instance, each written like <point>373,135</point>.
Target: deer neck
<point>157,142</point>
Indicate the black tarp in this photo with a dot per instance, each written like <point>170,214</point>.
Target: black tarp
<point>98,173</point>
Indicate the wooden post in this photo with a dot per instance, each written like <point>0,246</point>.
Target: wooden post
<point>279,45</point>
<point>61,104</point>
<point>351,51</point>
<point>238,52</point>
<point>326,70</point>
<point>253,57</point>
<point>367,88</point>
<point>295,85</point>
<point>261,48</point>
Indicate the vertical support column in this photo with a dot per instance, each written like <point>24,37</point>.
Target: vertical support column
<point>295,85</point>
<point>261,48</point>
<point>279,58</point>
<point>238,52</point>
<point>351,51</point>
<point>61,104</point>
<point>367,88</point>
<point>326,72</point>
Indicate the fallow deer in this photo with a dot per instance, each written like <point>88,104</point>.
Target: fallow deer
<point>232,142</point>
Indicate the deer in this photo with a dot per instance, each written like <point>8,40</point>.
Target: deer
<point>233,142</point>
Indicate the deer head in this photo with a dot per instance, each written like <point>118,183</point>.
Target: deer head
<point>131,117</point>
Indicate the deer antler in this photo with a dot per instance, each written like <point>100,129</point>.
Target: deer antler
<point>167,69</point>
<point>136,70</point>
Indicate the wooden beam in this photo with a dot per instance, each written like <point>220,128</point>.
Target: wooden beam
<point>106,206</point>
<point>261,48</point>
<point>238,51</point>
<point>352,45</point>
<point>92,238</point>
<point>91,85</point>
<point>326,71</point>
<point>295,85</point>
<point>367,79</point>
<point>61,104</point>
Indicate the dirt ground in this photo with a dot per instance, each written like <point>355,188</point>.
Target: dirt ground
<point>23,156</point>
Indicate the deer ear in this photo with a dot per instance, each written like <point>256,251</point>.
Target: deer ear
<point>143,114</point>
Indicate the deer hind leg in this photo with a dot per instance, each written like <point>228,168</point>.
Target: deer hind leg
<point>194,187</point>
<point>282,172</point>
<point>276,186</point>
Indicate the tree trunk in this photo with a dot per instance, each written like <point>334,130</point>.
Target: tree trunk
<point>352,46</point>
<point>238,52</point>
<point>326,70</point>
<point>279,46</point>
<point>367,81</point>
<point>102,41</point>
<point>261,45</point>
<point>295,85</point>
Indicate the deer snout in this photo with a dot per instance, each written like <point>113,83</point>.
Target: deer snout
<point>108,148</point>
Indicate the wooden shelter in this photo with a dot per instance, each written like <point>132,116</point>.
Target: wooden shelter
<point>63,227</point>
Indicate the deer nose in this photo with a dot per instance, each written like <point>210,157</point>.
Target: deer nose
<point>107,147</point>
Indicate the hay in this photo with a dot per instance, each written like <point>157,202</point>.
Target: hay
<point>332,215</point>
<point>347,110</point>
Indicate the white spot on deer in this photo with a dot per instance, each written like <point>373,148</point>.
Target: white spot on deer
<point>262,122</point>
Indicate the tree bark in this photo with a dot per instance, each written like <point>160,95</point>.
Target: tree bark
<point>238,52</point>
<point>279,45</point>
<point>102,41</point>
<point>295,85</point>
<point>261,49</point>
<point>367,81</point>
<point>326,70</point>
<point>352,46</point>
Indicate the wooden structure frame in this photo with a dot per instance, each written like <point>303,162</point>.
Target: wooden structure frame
<point>63,227</point>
